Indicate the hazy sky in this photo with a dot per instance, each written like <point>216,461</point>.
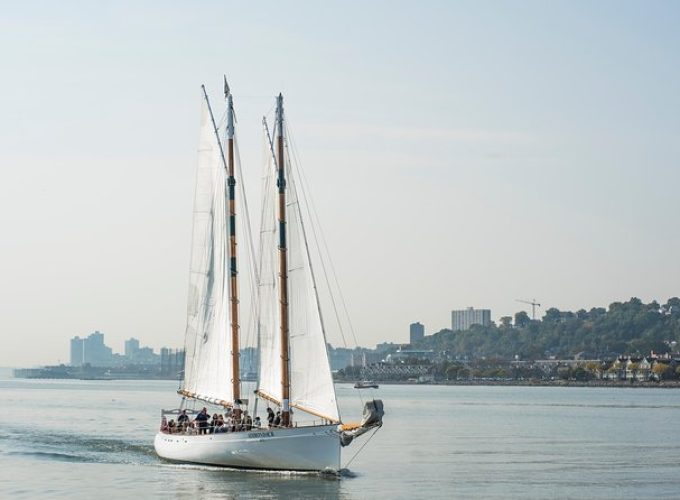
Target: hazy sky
<point>461,154</point>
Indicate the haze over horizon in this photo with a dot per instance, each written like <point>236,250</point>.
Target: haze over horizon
<point>465,154</point>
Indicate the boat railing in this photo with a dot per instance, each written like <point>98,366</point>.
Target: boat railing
<point>169,425</point>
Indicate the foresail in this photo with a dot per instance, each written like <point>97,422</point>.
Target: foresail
<point>208,346</point>
<point>312,388</point>
<point>311,382</point>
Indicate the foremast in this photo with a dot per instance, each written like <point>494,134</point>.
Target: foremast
<point>233,270</point>
<point>283,268</point>
<point>228,164</point>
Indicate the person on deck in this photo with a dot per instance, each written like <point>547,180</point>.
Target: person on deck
<point>270,416</point>
<point>219,425</point>
<point>247,421</point>
<point>257,423</point>
<point>277,420</point>
<point>213,424</point>
<point>183,418</point>
<point>202,421</point>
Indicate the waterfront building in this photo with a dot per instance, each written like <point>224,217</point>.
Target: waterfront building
<point>416,332</point>
<point>387,347</point>
<point>77,345</point>
<point>364,358</point>
<point>250,363</point>
<point>172,362</point>
<point>463,319</point>
<point>339,357</point>
<point>131,348</point>
<point>91,350</point>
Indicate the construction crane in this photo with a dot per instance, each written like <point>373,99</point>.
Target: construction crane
<point>533,303</point>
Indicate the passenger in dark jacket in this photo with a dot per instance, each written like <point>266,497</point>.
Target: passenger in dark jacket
<point>202,421</point>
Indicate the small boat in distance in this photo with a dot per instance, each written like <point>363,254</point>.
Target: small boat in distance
<point>365,384</point>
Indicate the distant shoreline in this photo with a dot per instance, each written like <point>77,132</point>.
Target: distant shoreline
<point>665,384</point>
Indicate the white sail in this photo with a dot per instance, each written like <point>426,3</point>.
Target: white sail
<point>268,289</point>
<point>311,382</point>
<point>207,372</point>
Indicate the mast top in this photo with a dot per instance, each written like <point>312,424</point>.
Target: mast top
<point>227,91</point>
<point>279,113</point>
<point>230,109</point>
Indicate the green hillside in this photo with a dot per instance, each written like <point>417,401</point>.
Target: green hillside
<point>630,327</point>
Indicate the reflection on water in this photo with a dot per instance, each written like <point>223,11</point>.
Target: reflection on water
<point>194,481</point>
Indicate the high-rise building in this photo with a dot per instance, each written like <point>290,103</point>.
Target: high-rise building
<point>416,332</point>
<point>172,362</point>
<point>91,350</point>
<point>131,347</point>
<point>250,362</point>
<point>77,351</point>
<point>465,318</point>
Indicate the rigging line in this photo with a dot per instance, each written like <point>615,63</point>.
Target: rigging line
<point>316,239</point>
<point>311,268</point>
<point>263,256</point>
<point>247,229</point>
<point>246,338</point>
<point>362,447</point>
<point>312,209</point>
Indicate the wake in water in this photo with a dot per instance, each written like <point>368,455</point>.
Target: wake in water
<point>43,444</point>
<point>67,446</point>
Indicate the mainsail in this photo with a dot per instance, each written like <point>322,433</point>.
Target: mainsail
<point>311,382</point>
<point>207,372</point>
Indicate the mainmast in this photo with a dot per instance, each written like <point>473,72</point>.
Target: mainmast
<point>233,273</point>
<point>283,269</point>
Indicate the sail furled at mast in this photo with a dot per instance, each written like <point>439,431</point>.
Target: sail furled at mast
<point>311,382</point>
<point>207,372</point>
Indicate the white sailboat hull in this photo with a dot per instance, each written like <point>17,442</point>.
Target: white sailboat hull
<point>299,449</point>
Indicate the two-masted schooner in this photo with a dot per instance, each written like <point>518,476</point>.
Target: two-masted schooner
<point>294,377</point>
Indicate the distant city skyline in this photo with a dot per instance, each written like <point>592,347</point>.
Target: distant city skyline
<point>92,350</point>
<point>458,153</point>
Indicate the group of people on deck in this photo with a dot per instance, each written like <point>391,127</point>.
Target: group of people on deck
<point>233,420</point>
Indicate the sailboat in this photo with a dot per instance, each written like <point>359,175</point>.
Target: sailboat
<point>294,378</point>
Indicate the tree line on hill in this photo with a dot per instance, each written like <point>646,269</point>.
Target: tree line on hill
<point>631,327</point>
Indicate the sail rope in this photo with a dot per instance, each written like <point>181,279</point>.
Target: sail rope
<point>323,249</point>
<point>362,447</point>
<point>316,225</point>
<point>254,278</point>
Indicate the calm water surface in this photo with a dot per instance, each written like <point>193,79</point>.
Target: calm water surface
<point>87,439</point>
